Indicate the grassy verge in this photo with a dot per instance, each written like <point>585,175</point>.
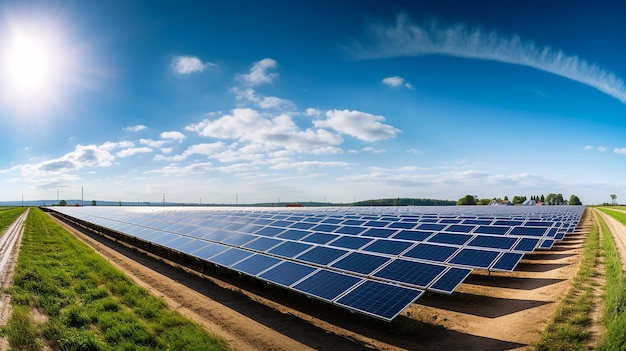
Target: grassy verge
<point>8,216</point>
<point>569,329</point>
<point>614,317</point>
<point>88,304</point>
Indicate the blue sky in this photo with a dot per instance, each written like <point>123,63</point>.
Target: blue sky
<point>311,101</point>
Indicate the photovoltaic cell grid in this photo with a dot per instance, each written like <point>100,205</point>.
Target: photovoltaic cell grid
<point>374,260</point>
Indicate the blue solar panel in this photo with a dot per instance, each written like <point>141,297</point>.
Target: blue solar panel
<point>430,226</point>
<point>193,245</point>
<point>447,238</point>
<point>449,281</point>
<point>360,263</point>
<point>526,245</point>
<point>431,252</point>
<point>239,239</point>
<point>319,238</point>
<point>390,247</point>
<point>327,228</point>
<point>350,230</point>
<point>460,228</point>
<point>402,225</point>
<point>256,264</point>
<point>303,225</point>
<point>321,255</point>
<point>491,229</point>
<point>379,299</point>
<point>379,224</point>
<point>474,258</point>
<point>327,285</point>
<point>528,231</point>
<point>350,242</point>
<point>379,232</point>
<point>289,249</point>
<point>263,243</point>
<point>493,242</point>
<point>413,235</point>
<point>287,273</point>
<point>416,273</point>
<point>270,231</point>
<point>230,257</point>
<point>373,238</point>
<point>180,241</point>
<point>507,261</point>
<point>294,234</point>
<point>546,244</point>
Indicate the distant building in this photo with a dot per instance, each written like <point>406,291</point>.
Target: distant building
<point>529,203</point>
<point>500,202</point>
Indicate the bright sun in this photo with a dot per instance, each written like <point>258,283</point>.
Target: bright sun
<point>29,66</point>
<point>37,65</point>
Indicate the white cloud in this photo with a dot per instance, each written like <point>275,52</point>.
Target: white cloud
<point>410,39</point>
<point>136,128</point>
<point>259,73</point>
<point>249,95</point>
<point>415,151</point>
<point>265,132</point>
<point>588,147</point>
<point>305,165</point>
<point>396,82</point>
<point>603,148</point>
<point>153,143</point>
<point>621,151</point>
<point>133,151</point>
<point>360,125</point>
<point>82,156</point>
<point>189,64</point>
<point>172,136</point>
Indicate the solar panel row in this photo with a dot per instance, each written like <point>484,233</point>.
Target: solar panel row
<point>373,260</point>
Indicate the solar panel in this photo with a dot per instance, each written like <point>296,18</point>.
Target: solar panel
<point>431,252</point>
<point>372,260</point>
<point>474,258</point>
<point>418,274</point>
<point>321,255</point>
<point>327,285</point>
<point>287,273</point>
<point>450,280</point>
<point>360,262</point>
<point>256,264</point>
<point>380,299</point>
<point>507,261</point>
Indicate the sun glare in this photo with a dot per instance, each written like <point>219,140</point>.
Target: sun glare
<point>37,65</point>
<point>29,66</point>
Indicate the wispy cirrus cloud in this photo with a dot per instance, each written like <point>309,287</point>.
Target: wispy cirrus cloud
<point>407,38</point>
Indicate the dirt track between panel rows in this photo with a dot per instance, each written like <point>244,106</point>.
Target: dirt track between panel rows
<point>497,311</point>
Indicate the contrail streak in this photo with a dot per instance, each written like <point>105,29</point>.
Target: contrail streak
<point>409,39</point>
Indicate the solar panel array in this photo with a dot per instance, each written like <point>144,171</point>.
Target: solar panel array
<point>373,260</point>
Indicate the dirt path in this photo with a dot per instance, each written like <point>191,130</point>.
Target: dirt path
<point>9,249</point>
<point>618,230</point>
<point>500,311</point>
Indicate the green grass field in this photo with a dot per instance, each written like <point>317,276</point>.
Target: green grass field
<point>89,304</point>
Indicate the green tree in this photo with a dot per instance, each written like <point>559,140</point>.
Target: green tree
<point>574,200</point>
<point>555,199</point>
<point>467,200</point>
<point>93,202</point>
<point>613,199</point>
<point>543,199</point>
<point>518,199</point>
<point>62,203</point>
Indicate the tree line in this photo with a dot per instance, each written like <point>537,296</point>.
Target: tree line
<point>550,199</point>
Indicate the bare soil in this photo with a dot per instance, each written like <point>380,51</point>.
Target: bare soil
<point>497,311</point>
<point>9,249</point>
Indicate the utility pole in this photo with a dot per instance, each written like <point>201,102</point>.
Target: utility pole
<point>82,196</point>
